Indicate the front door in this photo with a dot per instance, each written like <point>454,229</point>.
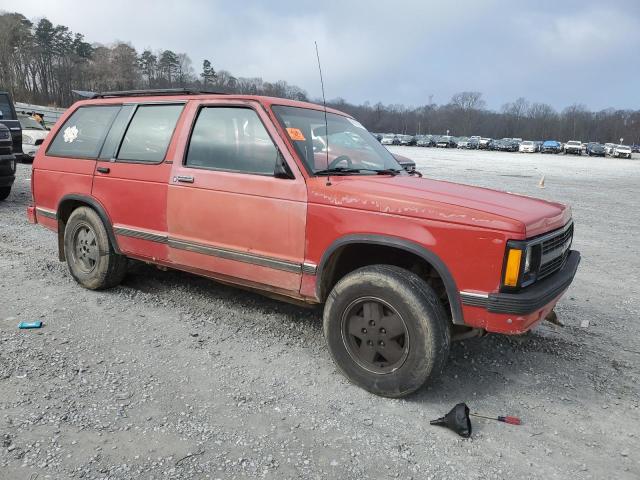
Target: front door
<point>229,215</point>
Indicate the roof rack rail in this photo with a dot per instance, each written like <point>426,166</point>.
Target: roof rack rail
<point>155,92</point>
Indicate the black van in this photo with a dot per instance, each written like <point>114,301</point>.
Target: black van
<point>9,118</point>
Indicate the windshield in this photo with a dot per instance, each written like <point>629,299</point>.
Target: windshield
<point>527,144</point>
<point>29,123</point>
<point>5,108</point>
<point>574,143</point>
<point>351,146</point>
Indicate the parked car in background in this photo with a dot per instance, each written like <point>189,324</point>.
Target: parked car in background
<point>7,162</point>
<point>635,148</point>
<point>445,141</point>
<point>426,141</point>
<point>527,146</point>
<point>9,119</point>
<point>462,142</point>
<point>622,151</point>
<point>608,148</point>
<point>508,145</point>
<point>473,144</point>
<point>33,134</point>
<point>387,139</point>
<point>551,146</point>
<point>405,140</point>
<point>595,150</point>
<point>573,147</point>
<point>485,144</point>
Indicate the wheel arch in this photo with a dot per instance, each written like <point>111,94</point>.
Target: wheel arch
<point>324,271</point>
<point>68,204</point>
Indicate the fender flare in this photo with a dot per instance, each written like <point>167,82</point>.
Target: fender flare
<point>93,203</point>
<point>408,246</point>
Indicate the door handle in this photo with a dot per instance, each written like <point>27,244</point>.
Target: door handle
<point>103,169</point>
<point>185,178</point>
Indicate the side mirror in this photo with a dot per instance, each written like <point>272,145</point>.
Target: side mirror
<point>281,169</point>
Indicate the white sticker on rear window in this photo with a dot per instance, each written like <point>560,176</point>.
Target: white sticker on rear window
<point>70,134</point>
<point>355,122</point>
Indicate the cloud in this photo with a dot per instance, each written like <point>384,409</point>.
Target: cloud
<point>401,52</point>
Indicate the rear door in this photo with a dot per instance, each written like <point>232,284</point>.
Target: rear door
<point>132,173</point>
<point>228,214</point>
<point>67,166</point>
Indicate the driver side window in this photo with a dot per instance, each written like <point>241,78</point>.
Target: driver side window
<point>231,139</point>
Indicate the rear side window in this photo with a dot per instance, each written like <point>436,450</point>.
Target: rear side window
<point>231,139</point>
<point>83,133</point>
<point>6,108</point>
<point>149,133</point>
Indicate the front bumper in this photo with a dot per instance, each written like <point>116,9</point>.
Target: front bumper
<point>515,313</point>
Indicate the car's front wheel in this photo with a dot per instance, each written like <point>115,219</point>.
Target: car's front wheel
<point>386,330</point>
<point>4,192</point>
<point>90,256</point>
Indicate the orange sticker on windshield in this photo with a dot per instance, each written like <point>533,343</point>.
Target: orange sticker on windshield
<point>295,134</point>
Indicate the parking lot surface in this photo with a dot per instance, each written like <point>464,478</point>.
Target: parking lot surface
<point>175,376</point>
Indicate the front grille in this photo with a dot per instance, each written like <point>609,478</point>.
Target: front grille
<point>555,251</point>
<point>557,241</point>
<point>553,265</point>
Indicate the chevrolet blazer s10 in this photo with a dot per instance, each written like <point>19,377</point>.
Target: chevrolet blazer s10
<point>267,194</point>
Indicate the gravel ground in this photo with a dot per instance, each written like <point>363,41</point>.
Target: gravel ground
<point>174,376</point>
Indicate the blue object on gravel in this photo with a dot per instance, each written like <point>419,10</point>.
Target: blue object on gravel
<point>25,325</point>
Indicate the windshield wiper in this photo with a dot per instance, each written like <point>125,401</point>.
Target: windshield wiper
<point>337,171</point>
<point>349,170</point>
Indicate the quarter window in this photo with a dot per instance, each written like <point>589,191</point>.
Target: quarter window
<point>231,139</point>
<point>83,133</point>
<point>149,133</point>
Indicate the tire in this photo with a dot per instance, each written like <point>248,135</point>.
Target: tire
<point>90,256</point>
<point>4,192</point>
<point>406,305</point>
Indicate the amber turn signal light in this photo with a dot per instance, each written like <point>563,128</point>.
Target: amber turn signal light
<point>512,271</point>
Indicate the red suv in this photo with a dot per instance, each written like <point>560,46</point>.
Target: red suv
<point>306,205</point>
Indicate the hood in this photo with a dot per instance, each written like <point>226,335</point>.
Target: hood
<point>35,134</point>
<point>441,201</point>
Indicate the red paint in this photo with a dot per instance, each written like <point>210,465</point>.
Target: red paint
<point>294,220</point>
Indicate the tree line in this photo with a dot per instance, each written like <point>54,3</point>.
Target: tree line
<point>43,63</point>
<point>465,115</point>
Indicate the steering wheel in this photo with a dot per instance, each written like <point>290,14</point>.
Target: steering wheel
<point>339,159</point>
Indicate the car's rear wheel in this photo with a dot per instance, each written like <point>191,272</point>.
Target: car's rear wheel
<point>386,330</point>
<point>4,192</point>
<point>90,256</point>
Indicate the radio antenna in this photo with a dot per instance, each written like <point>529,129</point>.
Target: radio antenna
<point>326,123</point>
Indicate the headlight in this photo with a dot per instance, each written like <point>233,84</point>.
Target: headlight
<point>521,264</point>
<point>527,260</point>
<point>28,139</point>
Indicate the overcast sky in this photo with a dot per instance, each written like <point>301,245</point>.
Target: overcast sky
<point>559,52</point>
